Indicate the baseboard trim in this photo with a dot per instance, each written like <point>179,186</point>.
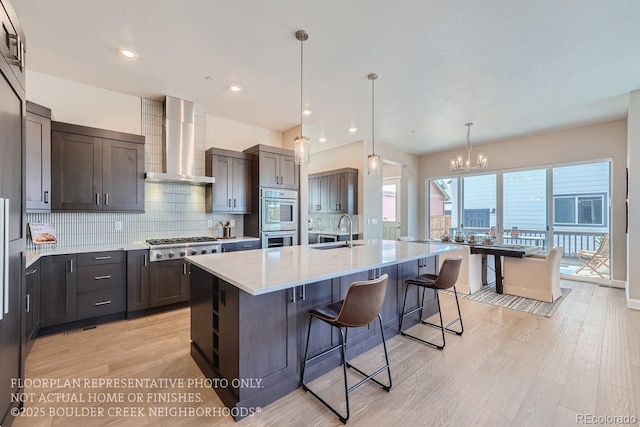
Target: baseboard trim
<point>618,283</point>
<point>633,304</point>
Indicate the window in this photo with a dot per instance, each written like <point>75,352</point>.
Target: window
<point>585,209</point>
<point>476,218</point>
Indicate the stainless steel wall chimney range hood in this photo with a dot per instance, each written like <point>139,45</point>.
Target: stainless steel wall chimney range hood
<point>180,142</point>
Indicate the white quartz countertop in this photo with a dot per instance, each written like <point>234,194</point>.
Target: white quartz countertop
<point>32,255</point>
<point>268,270</point>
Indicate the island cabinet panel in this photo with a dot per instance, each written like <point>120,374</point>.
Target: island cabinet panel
<point>202,312</point>
<point>268,339</point>
<point>355,336</point>
<point>323,336</point>
<point>227,340</point>
<point>392,300</point>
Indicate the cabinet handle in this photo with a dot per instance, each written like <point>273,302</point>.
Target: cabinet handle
<point>102,277</point>
<point>30,272</point>
<point>98,258</point>
<point>145,259</point>
<point>15,57</point>
<point>70,266</point>
<point>184,269</point>
<point>102,303</point>
<point>223,296</point>
<point>229,203</point>
<point>303,293</point>
<point>293,295</point>
<point>234,203</point>
<point>246,246</point>
<point>106,199</point>
<point>98,199</point>
<point>28,303</point>
<point>46,197</point>
<point>339,206</point>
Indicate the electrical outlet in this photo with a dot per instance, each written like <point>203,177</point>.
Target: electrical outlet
<point>368,220</point>
<point>374,220</point>
<point>209,223</point>
<point>118,225</point>
<point>232,223</point>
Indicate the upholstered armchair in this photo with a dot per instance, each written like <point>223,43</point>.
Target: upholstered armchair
<point>470,275</point>
<point>536,277</point>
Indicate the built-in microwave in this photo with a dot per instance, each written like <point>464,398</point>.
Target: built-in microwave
<point>278,210</point>
<point>278,239</point>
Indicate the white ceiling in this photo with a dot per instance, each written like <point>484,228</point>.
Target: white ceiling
<point>513,68</point>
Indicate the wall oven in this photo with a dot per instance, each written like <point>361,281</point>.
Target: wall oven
<point>278,210</point>
<point>278,239</point>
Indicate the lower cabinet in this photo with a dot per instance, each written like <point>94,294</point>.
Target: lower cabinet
<point>238,336</point>
<point>169,282</point>
<point>241,246</point>
<point>32,316</point>
<point>59,295</point>
<point>81,286</point>
<point>138,273</point>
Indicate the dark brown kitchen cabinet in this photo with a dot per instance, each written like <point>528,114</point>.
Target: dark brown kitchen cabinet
<point>101,284</point>
<point>12,47</point>
<point>32,316</point>
<point>96,170</point>
<point>169,282</point>
<point>232,189</point>
<point>274,167</point>
<point>58,295</point>
<point>246,245</point>
<point>38,158</point>
<point>334,191</point>
<point>137,280</point>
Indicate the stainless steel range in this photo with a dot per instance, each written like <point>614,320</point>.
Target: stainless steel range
<point>180,247</point>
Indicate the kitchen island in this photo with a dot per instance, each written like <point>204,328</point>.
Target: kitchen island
<point>249,311</point>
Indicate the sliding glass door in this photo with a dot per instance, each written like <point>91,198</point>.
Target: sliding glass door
<point>525,208</point>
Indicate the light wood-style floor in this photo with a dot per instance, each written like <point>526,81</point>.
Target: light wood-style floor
<point>509,368</point>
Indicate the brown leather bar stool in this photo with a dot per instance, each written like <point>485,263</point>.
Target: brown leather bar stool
<point>445,280</point>
<point>360,307</point>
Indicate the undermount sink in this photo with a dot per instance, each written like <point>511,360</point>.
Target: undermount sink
<point>334,246</point>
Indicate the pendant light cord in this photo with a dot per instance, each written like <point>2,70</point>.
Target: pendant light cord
<point>301,85</point>
<point>373,126</point>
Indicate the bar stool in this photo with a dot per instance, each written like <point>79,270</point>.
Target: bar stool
<point>360,307</point>
<point>445,280</point>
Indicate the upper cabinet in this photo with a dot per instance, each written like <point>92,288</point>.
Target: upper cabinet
<point>38,135</point>
<point>12,45</point>
<point>232,189</point>
<point>96,170</point>
<point>334,191</point>
<point>274,167</point>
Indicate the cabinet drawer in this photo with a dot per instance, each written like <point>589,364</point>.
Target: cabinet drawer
<point>245,246</point>
<point>98,303</point>
<point>98,277</point>
<point>97,258</point>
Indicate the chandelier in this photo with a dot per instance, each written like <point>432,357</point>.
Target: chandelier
<point>459,164</point>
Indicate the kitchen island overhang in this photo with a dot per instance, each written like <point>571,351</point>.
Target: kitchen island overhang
<point>249,311</point>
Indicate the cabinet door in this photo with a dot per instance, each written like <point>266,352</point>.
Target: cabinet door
<point>269,323</point>
<point>59,293</point>
<point>76,172</point>
<point>221,190</point>
<point>38,189</point>
<point>314,195</point>
<point>241,186</point>
<point>137,280</point>
<point>169,283</point>
<point>336,185</point>
<point>349,193</point>
<point>269,170</point>
<point>228,331</point>
<point>391,306</point>
<point>323,336</point>
<point>323,189</point>
<point>10,48</point>
<point>288,172</point>
<point>202,306</point>
<point>32,317</point>
<point>122,176</point>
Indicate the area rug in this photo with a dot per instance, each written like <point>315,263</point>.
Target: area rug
<point>488,295</point>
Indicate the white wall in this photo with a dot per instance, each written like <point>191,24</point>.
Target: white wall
<point>236,136</point>
<point>592,142</point>
<point>633,237</point>
<point>81,104</point>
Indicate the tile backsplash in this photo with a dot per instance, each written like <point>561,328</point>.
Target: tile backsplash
<point>329,222</point>
<point>171,209</point>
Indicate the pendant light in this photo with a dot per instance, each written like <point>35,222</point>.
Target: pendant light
<point>301,143</point>
<point>375,162</point>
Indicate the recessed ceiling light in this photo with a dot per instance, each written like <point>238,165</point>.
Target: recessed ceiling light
<point>235,88</point>
<point>353,129</point>
<point>306,112</point>
<point>322,139</point>
<point>128,53</point>
<point>209,78</point>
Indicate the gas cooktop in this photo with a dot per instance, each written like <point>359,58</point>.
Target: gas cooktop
<point>180,240</point>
